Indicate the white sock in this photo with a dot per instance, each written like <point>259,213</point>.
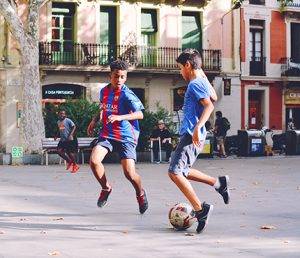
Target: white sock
<point>217,184</point>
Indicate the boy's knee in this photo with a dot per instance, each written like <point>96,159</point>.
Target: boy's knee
<point>172,175</point>
<point>95,161</point>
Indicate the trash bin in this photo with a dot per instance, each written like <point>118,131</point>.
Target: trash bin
<point>292,142</point>
<point>208,148</point>
<point>251,143</point>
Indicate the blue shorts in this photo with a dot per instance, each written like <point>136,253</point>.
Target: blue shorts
<point>126,150</point>
<point>184,155</point>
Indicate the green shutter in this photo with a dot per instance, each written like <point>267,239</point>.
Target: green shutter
<point>149,21</point>
<point>191,30</point>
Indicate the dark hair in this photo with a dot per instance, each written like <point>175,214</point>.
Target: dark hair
<point>62,110</point>
<point>219,114</point>
<point>192,56</point>
<point>118,65</point>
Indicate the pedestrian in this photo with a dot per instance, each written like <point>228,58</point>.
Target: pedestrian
<point>291,125</point>
<point>222,125</point>
<point>198,105</point>
<point>162,134</point>
<point>120,110</point>
<point>68,145</point>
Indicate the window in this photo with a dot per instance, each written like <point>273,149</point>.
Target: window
<point>62,26</point>
<point>256,47</point>
<point>149,27</point>
<point>148,35</point>
<point>191,30</point>
<point>108,34</point>
<point>295,42</point>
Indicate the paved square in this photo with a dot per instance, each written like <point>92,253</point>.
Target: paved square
<point>46,211</point>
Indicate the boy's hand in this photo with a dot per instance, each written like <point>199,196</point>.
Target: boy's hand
<point>90,128</point>
<point>113,118</point>
<point>196,138</point>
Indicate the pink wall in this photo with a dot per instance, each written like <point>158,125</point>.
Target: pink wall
<point>216,35</point>
<point>169,30</point>
<point>43,23</point>
<point>86,23</point>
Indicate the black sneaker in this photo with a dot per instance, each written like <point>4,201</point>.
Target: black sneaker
<point>224,190</point>
<point>143,202</point>
<point>102,200</point>
<point>203,216</point>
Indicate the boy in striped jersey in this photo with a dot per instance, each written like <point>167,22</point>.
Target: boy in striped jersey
<point>120,109</point>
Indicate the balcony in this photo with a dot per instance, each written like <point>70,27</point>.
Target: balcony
<point>290,67</point>
<point>292,7</point>
<point>295,3</point>
<point>258,66</point>
<point>52,54</point>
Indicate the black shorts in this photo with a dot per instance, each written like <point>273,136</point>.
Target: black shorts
<point>68,146</point>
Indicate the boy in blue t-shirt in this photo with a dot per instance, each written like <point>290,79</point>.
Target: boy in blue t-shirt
<point>197,108</point>
<point>120,109</point>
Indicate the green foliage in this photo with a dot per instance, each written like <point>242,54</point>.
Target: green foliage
<point>149,123</point>
<point>80,111</point>
<point>283,4</point>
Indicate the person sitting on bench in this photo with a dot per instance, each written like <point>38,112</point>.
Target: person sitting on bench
<point>162,134</point>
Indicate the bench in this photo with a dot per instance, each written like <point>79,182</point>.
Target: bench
<point>49,145</point>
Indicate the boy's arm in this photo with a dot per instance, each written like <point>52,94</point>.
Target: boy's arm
<point>208,108</point>
<point>72,133</point>
<point>132,116</point>
<point>213,94</point>
<point>93,122</point>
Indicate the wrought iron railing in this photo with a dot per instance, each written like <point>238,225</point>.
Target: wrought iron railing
<point>258,66</point>
<point>295,3</point>
<point>54,53</point>
<point>290,67</point>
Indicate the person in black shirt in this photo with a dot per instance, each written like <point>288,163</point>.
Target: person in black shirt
<point>161,133</point>
<point>220,134</point>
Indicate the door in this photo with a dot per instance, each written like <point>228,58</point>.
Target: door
<point>191,30</point>
<point>148,37</point>
<point>295,42</point>
<point>108,34</point>
<point>62,44</point>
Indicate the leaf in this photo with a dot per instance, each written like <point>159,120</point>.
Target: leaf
<point>189,234</point>
<point>61,218</point>
<point>2,232</point>
<point>54,253</point>
<point>125,231</point>
<point>43,232</point>
<point>268,227</point>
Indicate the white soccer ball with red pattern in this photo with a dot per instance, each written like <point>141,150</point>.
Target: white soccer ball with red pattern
<point>182,216</point>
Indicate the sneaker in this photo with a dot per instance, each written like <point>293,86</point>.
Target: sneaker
<point>143,202</point>
<point>203,216</point>
<point>75,168</point>
<point>69,165</point>
<point>224,190</point>
<point>102,200</point>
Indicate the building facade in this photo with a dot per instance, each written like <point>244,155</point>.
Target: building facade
<point>270,64</point>
<point>79,40</point>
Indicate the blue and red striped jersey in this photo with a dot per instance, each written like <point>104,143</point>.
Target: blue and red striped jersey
<point>121,101</point>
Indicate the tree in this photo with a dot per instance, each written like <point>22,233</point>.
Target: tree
<point>26,35</point>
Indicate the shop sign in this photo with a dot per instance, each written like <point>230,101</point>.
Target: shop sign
<point>292,97</point>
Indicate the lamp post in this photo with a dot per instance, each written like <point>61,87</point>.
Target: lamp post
<point>227,81</point>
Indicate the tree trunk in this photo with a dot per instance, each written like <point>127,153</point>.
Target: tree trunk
<point>33,129</point>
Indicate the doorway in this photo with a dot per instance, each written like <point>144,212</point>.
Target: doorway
<point>255,114</point>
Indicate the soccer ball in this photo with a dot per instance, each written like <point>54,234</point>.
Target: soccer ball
<point>182,216</point>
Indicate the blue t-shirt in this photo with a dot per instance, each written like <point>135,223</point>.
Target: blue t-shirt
<point>197,89</point>
<point>121,101</point>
